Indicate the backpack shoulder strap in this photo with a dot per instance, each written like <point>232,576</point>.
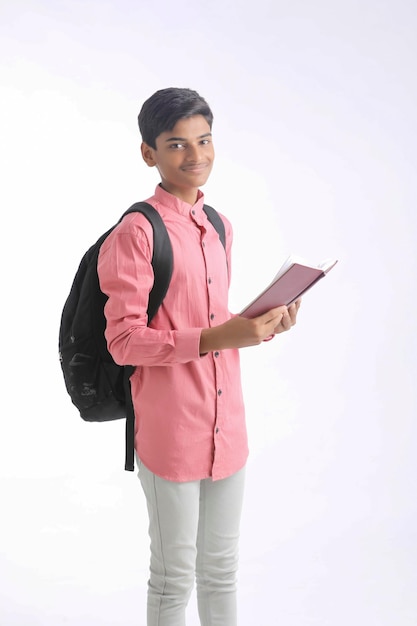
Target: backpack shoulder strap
<point>162,257</point>
<point>217,222</point>
<point>162,263</point>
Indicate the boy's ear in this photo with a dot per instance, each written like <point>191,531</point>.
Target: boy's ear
<point>148,154</point>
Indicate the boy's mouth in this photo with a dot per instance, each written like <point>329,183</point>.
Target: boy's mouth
<point>195,167</point>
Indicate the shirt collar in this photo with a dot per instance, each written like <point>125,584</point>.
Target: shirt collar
<point>180,206</point>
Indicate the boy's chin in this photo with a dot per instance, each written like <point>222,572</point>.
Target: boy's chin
<point>197,180</point>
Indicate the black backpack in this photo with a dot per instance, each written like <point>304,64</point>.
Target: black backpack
<point>98,387</point>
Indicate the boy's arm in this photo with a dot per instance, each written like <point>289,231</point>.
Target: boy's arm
<point>240,332</point>
<point>126,277</point>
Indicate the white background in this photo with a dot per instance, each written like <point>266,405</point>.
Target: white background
<point>315,134</point>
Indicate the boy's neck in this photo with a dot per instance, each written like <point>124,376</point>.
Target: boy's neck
<point>190,196</point>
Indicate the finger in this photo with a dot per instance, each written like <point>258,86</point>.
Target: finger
<point>292,311</point>
<point>275,315</point>
<point>274,323</point>
<point>284,324</point>
<point>286,321</point>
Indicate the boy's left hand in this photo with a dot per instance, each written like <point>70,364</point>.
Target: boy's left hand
<point>289,319</point>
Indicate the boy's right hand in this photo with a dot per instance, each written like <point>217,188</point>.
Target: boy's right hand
<point>240,332</point>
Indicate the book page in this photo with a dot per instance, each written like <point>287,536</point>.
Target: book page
<point>325,265</point>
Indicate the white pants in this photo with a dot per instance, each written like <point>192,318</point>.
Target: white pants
<point>194,532</point>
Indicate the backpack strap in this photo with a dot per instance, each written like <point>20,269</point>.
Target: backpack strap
<point>162,257</point>
<point>162,263</point>
<point>217,222</point>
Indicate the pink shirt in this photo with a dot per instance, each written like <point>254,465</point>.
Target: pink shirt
<point>190,419</point>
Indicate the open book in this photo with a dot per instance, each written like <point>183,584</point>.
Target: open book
<point>293,279</point>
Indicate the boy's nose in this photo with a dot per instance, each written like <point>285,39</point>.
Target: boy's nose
<point>193,153</point>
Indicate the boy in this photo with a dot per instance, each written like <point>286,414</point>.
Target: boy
<point>190,433</point>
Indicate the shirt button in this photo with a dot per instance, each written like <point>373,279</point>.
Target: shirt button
<point>209,281</point>
<point>216,354</point>
<point>219,393</point>
<point>217,430</point>
<point>193,212</point>
<point>212,316</point>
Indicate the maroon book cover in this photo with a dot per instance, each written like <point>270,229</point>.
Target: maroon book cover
<point>291,282</point>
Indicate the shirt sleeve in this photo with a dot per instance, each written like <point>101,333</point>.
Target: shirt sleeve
<point>126,277</point>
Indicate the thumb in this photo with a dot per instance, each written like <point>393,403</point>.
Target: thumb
<point>273,315</point>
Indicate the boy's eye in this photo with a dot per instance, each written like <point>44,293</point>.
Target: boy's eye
<point>183,146</point>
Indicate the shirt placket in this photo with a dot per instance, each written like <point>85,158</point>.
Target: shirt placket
<point>216,355</point>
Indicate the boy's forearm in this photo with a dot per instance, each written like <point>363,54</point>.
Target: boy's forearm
<point>223,337</point>
<point>210,340</point>
<point>239,332</point>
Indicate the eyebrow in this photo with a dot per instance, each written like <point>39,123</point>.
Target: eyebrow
<point>184,139</point>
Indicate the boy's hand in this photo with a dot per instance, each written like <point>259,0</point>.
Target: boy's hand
<point>240,332</point>
<point>289,319</point>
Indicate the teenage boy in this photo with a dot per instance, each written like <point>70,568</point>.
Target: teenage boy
<point>190,433</point>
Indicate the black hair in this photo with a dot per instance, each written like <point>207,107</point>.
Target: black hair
<point>165,107</point>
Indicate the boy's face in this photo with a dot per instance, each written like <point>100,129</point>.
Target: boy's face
<point>184,157</point>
